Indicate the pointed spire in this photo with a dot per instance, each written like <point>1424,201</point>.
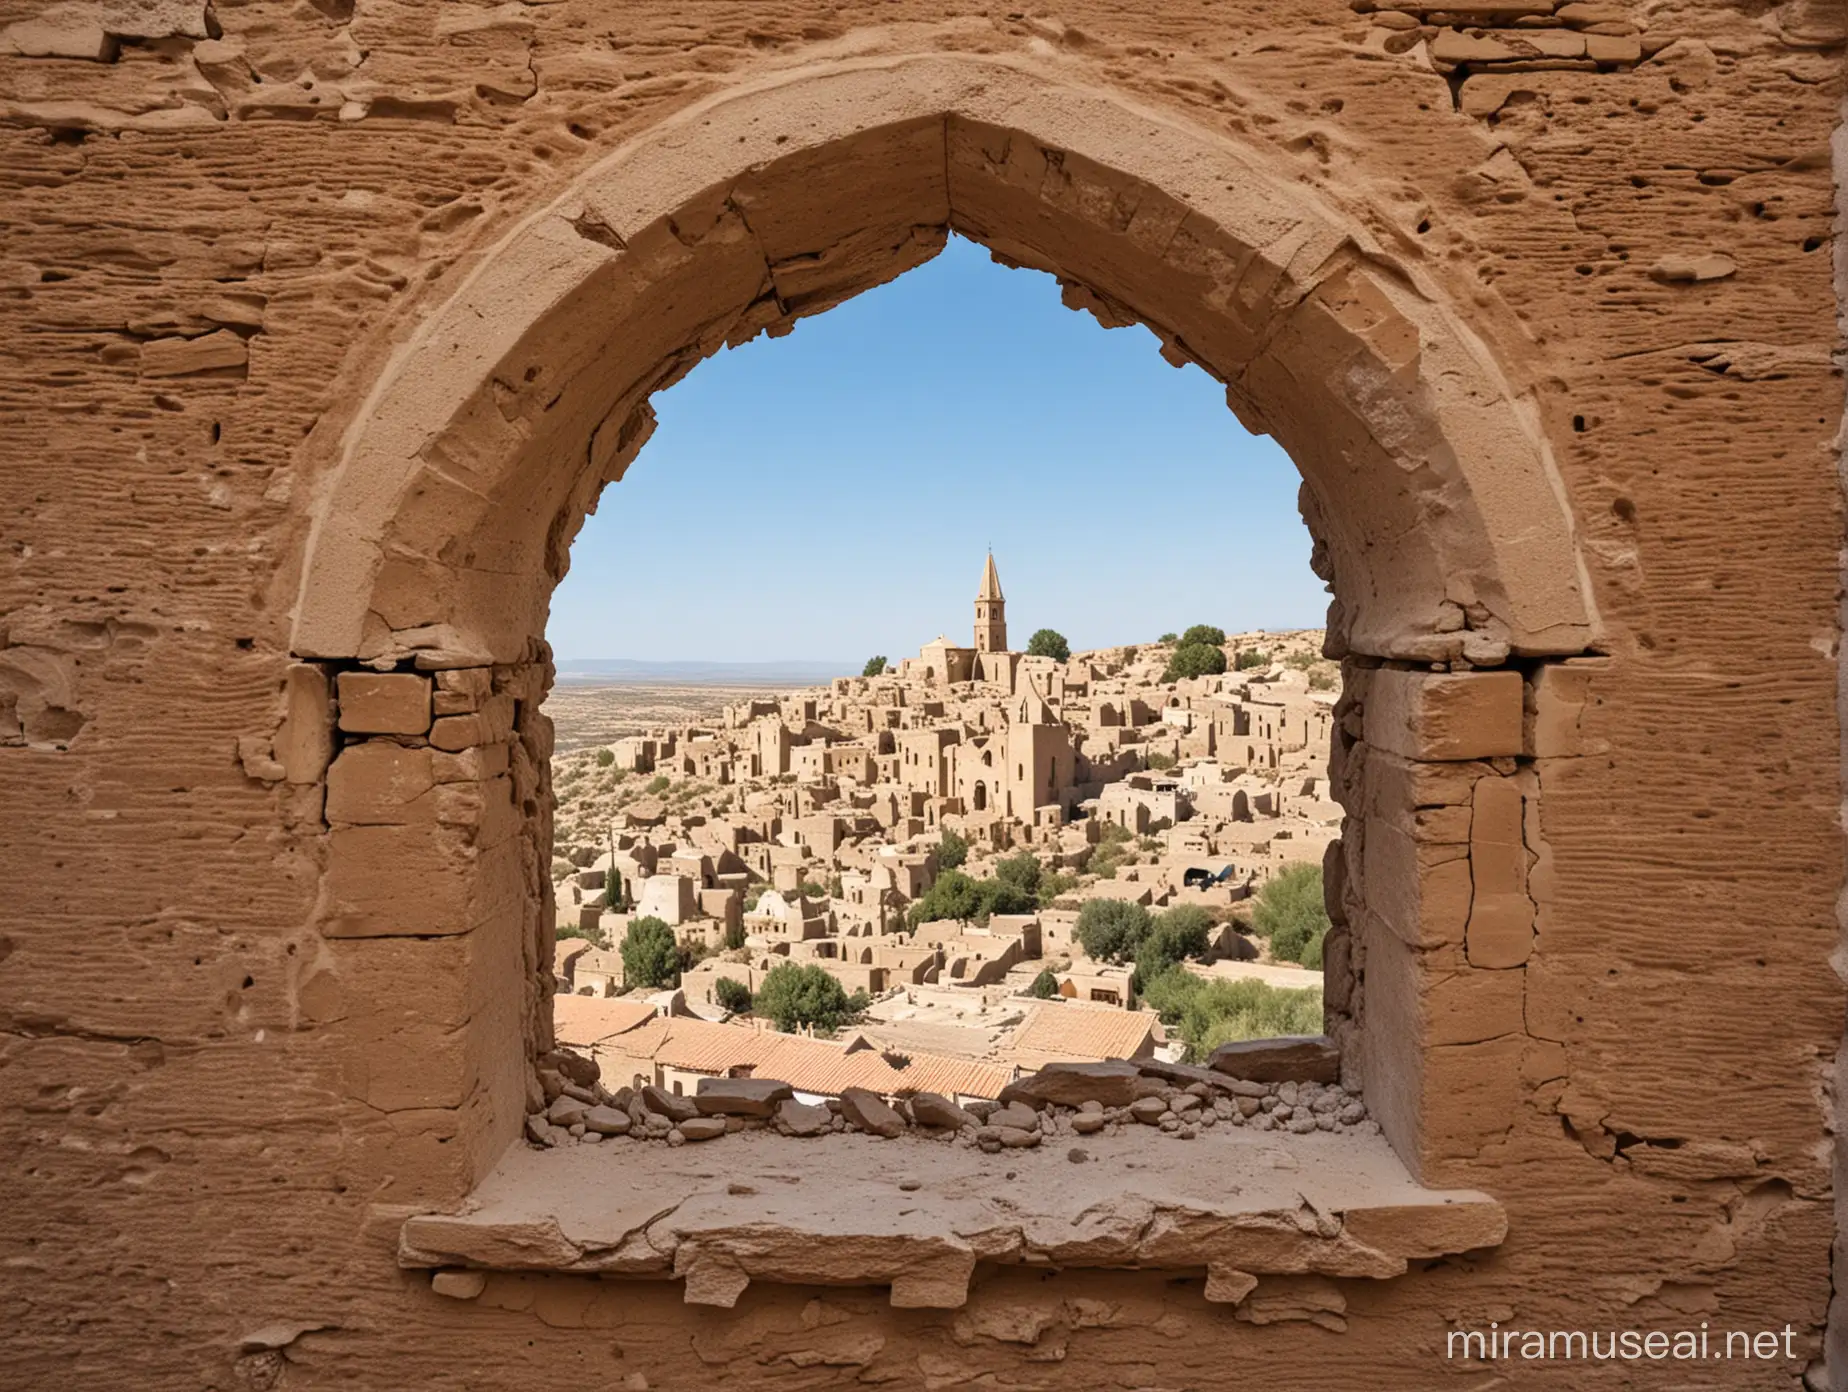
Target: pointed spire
<point>991,580</point>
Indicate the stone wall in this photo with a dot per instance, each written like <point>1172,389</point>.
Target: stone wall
<point>262,991</point>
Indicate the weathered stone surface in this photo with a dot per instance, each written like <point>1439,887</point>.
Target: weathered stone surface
<point>1447,321</point>
<point>804,1119</point>
<point>702,1128</point>
<point>607,1121</point>
<point>1111,1082</point>
<point>756,1097</point>
<point>1302,1058</point>
<point>870,1112</point>
<point>383,703</point>
<point>671,1105</point>
<point>459,1285</point>
<point>1148,1110</point>
<point>932,1109</point>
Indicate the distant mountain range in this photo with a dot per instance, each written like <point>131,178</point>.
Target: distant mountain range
<point>628,669</point>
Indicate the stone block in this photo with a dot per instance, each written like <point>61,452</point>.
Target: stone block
<point>379,783</point>
<point>1112,1082</point>
<point>462,690</point>
<point>304,742</point>
<point>1556,700</point>
<point>1500,931</point>
<point>1307,1058</point>
<point>1445,716</point>
<point>1469,1007</point>
<point>385,881</point>
<point>870,1112</point>
<point>384,703</point>
<point>756,1097</point>
<point>1422,892</point>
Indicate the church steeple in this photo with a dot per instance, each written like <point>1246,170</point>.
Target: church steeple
<point>990,611</point>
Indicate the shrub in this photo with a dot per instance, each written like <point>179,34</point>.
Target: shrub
<point>1249,658</point>
<point>1160,761</point>
<point>1112,851</point>
<point>734,936</point>
<point>1170,638</point>
<point>1207,1014</point>
<point>1179,933</point>
<point>1204,634</point>
<point>1045,986</point>
<point>808,889</point>
<point>1049,643</point>
<point>1053,884</point>
<point>1023,872</point>
<point>1289,912</point>
<point>656,785</point>
<point>794,995</point>
<point>1195,660</point>
<point>952,850</point>
<point>605,757</point>
<point>1112,929</point>
<point>874,666</point>
<point>650,954</point>
<point>733,995</point>
<point>1320,680</point>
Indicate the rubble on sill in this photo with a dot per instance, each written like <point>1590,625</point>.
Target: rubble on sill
<point>916,1214</point>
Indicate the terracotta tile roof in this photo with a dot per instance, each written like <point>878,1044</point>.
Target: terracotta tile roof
<point>808,1065</point>
<point>583,1020</point>
<point>1081,1032</point>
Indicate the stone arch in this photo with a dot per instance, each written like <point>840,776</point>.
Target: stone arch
<point>444,517</point>
<point>462,478</point>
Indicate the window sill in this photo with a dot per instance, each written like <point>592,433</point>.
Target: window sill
<point>918,1214</point>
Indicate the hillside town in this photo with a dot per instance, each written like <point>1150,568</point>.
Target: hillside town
<point>928,837</point>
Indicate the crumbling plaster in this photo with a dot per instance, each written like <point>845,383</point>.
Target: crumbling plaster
<point>212,1105</point>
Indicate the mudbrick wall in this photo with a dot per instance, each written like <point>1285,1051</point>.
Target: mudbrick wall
<point>224,1084</point>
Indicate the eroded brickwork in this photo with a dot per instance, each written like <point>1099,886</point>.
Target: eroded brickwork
<point>224,1090</point>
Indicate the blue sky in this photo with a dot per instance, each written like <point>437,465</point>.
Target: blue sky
<point>831,494</point>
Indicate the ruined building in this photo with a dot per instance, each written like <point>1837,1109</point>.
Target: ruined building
<point>325,324</point>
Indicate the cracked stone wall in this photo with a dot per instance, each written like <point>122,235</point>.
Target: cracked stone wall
<point>220,226</point>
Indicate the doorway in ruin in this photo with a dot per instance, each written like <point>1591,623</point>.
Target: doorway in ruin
<point>448,505</point>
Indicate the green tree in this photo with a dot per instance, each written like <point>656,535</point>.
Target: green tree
<point>1290,912</point>
<point>1204,634</point>
<point>1160,762</point>
<point>1049,643</point>
<point>874,666</point>
<point>605,757</point>
<point>735,996</point>
<point>1179,933</point>
<point>954,895</point>
<point>734,935</point>
<point>1207,1013</point>
<point>1112,929</point>
<point>657,785</point>
<point>1023,871</point>
<point>1248,658</point>
<point>952,849</point>
<point>1170,638</point>
<point>793,995</point>
<point>650,954</point>
<point>1195,660</point>
<point>1045,986</point>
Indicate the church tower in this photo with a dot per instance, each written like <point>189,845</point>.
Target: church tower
<point>990,612</point>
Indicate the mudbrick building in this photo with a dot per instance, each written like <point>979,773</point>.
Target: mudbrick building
<point>324,325</point>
